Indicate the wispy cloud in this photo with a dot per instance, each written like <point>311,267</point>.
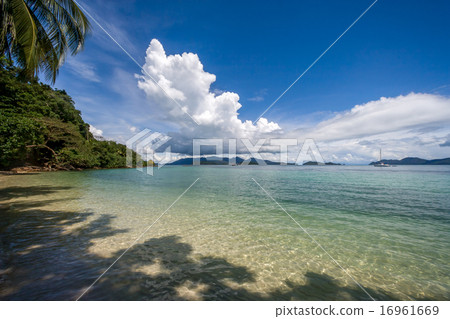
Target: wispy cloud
<point>259,96</point>
<point>82,69</point>
<point>108,17</point>
<point>446,143</point>
<point>256,98</point>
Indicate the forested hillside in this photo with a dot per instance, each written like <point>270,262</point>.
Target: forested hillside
<point>40,126</point>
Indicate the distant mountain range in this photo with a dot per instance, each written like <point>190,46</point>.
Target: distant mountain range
<point>220,161</point>
<point>414,161</point>
<point>226,161</point>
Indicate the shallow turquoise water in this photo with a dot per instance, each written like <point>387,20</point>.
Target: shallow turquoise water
<point>389,228</point>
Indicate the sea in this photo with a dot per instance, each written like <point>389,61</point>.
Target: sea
<point>227,233</point>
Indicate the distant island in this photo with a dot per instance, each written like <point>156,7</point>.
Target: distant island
<point>317,163</point>
<point>213,160</point>
<point>414,161</point>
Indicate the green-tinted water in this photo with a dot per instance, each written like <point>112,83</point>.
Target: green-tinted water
<point>225,238</point>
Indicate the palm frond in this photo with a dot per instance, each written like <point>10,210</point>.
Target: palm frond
<point>37,34</point>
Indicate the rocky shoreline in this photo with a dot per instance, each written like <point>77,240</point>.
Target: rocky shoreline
<point>29,169</point>
<point>39,169</point>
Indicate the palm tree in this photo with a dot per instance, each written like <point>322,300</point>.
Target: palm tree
<point>36,34</point>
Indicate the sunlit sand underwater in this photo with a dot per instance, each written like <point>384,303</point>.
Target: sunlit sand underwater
<point>225,239</point>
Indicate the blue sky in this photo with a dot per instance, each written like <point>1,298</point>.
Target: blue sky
<point>256,50</point>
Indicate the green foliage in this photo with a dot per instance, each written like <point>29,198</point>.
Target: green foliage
<point>40,126</point>
<point>16,132</point>
<point>110,154</point>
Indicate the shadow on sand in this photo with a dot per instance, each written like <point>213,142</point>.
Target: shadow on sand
<point>42,260</point>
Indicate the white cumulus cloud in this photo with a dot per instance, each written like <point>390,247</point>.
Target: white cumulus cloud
<point>412,125</point>
<point>95,131</point>
<point>413,111</point>
<point>183,78</point>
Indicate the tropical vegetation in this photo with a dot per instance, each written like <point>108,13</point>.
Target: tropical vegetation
<point>40,126</point>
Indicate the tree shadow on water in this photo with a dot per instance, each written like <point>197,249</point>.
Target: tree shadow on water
<point>177,275</point>
<point>25,191</point>
<point>42,251</point>
<point>45,255</point>
<point>163,269</point>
